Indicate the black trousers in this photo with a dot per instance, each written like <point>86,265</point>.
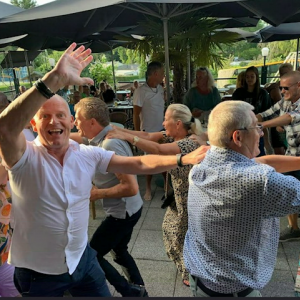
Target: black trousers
<point>113,235</point>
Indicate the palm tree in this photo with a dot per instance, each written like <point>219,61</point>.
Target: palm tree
<point>199,34</point>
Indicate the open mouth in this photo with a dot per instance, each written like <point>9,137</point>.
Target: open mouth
<point>55,131</point>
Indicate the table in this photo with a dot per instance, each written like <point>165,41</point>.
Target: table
<point>121,95</point>
<point>223,90</point>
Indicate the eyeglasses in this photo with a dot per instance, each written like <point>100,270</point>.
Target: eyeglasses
<point>286,88</point>
<point>259,128</point>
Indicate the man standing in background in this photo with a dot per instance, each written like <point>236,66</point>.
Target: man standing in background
<point>148,107</point>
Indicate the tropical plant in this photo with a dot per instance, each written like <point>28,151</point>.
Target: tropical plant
<point>188,33</point>
<point>26,4</point>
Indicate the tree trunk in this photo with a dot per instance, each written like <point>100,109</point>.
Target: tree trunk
<point>178,83</point>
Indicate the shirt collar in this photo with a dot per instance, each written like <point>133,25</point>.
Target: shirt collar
<point>100,136</point>
<point>72,144</point>
<point>228,153</point>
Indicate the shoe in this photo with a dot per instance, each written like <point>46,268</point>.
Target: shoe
<point>137,291</point>
<point>289,234</point>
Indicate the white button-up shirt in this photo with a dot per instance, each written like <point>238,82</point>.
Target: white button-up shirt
<point>51,206</point>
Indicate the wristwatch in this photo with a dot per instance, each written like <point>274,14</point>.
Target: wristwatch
<point>135,140</point>
<point>179,157</point>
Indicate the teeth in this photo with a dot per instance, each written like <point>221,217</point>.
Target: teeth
<point>55,131</point>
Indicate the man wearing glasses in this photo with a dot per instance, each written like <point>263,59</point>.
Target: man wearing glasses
<point>234,204</point>
<point>285,113</point>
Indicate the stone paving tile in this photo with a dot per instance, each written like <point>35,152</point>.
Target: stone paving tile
<point>149,245</point>
<point>159,277</point>
<point>280,285</point>
<point>154,219</point>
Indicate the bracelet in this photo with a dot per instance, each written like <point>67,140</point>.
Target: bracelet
<point>43,89</point>
<point>179,157</point>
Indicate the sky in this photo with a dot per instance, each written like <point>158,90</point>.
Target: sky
<point>39,2</point>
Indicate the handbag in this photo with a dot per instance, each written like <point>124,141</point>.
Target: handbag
<point>168,197</point>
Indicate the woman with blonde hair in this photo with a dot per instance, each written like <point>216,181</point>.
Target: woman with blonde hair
<point>179,125</point>
<point>202,98</point>
<point>241,79</point>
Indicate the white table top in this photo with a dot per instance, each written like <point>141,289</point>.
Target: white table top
<point>119,107</point>
<point>123,92</point>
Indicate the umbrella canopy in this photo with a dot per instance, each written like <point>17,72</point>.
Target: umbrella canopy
<point>283,32</point>
<point>74,19</point>
<point>8,9</point>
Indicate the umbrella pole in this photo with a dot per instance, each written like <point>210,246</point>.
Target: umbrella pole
<point>27,65</point>
<point>113,68</point>
<point>166,43</point>
<point>297,54</point>
<point>188,68</point>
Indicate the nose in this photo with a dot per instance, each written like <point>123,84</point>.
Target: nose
<point>53,120</point>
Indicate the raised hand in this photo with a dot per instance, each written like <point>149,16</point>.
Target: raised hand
<point>71,64</point>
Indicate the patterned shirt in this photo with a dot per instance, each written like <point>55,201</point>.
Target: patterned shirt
<point>234,205</point>
<point>292,130</point>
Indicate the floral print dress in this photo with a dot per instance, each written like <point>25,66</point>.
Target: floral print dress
<point>175,223</point>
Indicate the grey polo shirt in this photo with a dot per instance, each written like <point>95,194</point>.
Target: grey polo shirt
<point>116,207</point>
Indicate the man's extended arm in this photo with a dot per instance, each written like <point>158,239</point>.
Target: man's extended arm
<point>153,164</point>
<point>281,163</point>
<point>283,120</point>
<point>19,113</point>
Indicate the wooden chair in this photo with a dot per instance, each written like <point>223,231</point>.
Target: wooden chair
<point>118,117</point>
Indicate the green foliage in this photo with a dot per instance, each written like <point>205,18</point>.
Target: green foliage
<point>26,4</point>
<point>99,72</point>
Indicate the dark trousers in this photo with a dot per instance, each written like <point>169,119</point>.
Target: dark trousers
<point>88,280</point>
<point>113,235</point>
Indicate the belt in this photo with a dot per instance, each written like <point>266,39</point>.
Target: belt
<point>211,293</point>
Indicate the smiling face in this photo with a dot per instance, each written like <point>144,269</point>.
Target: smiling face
<point>83,125</point>
<point>293,92</point>
<point>53,123</point>
<point>169,124</point>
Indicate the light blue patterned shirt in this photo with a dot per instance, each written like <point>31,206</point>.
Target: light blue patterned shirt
<point>234,205</point>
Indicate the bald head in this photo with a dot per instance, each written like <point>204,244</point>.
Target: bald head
<point>55,100</point>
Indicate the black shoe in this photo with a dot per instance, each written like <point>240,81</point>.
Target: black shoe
<point>138,291</point>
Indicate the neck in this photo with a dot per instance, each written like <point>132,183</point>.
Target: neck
<point>59,154</point>
<point>250,89</point>
<point>151,83</point>
<point>181,134</point>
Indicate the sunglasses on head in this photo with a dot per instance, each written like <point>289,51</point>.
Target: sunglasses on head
<point>286,88</point>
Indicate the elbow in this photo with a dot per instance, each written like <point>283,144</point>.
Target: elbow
<point>131,190</point>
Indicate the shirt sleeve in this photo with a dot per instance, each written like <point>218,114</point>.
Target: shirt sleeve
<point>186,99</point>
<point>282,195</point>
<point>137,99</point>
<point>271,112</point>
<point>237,95</point>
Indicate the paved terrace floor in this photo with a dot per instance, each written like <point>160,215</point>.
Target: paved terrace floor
<point>160,274</point>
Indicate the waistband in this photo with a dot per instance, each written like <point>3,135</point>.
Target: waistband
<point>211,293</point>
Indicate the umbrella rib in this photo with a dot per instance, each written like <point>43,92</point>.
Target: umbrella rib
<point>194,9</point>
<point>142,10</point>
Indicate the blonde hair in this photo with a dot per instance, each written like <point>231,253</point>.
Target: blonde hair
<point>182,112</point>
<point>210,79</point>
<point>240,80</point>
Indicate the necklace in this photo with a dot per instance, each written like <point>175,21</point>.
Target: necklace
<point>152,89</point>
